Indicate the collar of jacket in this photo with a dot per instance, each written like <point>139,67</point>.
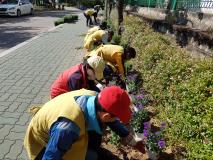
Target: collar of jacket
<point>87,104</point>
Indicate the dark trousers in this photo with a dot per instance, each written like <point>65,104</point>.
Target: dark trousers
<point>88,20</point>
<point>95,151</point>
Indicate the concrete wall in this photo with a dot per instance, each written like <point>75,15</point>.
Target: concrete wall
<point>160,14</point>
<point>204,24</point>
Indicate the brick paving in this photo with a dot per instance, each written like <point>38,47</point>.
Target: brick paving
<point>25,78</point>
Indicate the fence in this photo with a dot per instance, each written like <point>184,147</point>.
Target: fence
<point>172,4</point>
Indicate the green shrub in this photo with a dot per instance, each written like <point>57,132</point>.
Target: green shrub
<point>59,21</point>
<point>66,19</point>
<point>181,86</point>
<point>70,18</point>
<point>91,3</point>
<point>116,39</point>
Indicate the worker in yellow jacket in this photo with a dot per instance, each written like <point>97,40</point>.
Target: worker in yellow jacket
<point>102,26</point>
<point>59,130</point>
<point>114,55</point>
<point>88,14</point>
<point>97,38</point>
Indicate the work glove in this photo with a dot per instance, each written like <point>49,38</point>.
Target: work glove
<point>137,142</point>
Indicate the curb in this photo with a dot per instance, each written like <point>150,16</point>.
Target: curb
<point>27,41</point>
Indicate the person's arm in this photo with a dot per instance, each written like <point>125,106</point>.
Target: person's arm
<point>62,135</point>
<point>118,128</point>
<point>92,86</point>
<point>75,81</point>
<point>119,62</point>
<point>105,38</point>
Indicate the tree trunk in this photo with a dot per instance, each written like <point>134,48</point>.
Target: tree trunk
<point>106,9</point>
<point>120,4</point>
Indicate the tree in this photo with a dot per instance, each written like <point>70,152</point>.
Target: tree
<point>120,4</point>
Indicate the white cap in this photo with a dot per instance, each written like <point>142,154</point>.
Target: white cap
<point>98,64</point>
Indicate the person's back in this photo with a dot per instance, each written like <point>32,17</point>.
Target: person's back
<point>61,85</point>
<point>91,31</point>
<point>89,12</point>
<point>107,52</point>
<point>37,134</point>
<point>95,37</point>
<point>115,55</point>
<point>79,76</point>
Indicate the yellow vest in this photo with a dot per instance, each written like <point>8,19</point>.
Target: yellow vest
<point>91,31</point>
<point>95,37</point>
<point>89,12</point>
<point>64,105</point>
<point>106,51</point>
<point>109,52</point>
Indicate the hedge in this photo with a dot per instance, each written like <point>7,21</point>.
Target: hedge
<point>66,19</point>
<point>181,87</point>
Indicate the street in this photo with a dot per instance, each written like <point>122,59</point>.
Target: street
<point>15,30</point>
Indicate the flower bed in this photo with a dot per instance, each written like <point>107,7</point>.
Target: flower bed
<point>181,89</point>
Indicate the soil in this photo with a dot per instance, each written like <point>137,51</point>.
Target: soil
<point>131,154</point>
<point>125,152</point>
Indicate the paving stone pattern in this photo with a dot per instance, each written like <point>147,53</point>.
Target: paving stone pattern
<point>25,78</point>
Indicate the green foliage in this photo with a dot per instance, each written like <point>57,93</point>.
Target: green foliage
<point>111,25</point>
<point>210,30</point>
<point>181,86</point>
<point>154,141</point>
<point>59,21</point>
<point>114,139</point>
<point>69,18</point>
<point>128,67</point>
<point>116,39</point>
<point>138,119</point>
<point>91,3</point>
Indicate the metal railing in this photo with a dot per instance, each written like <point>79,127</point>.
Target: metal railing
<point>174,4</point>
<point>194,4</point>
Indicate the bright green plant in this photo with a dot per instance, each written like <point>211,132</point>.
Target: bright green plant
<point>181,86</point>
<point>138,119</point>
<point>116,39</point>
<point>114,139</point>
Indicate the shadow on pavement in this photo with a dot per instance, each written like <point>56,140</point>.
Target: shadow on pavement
<point>14,35</point>
<point>25,18</point>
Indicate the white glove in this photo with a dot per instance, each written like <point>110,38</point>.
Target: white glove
<point>100,86</point>
<point>137,137</point>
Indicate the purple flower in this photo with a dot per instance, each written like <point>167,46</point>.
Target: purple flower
<point>134,76</point>
<point>161,143</point>
<point>129,78</point>
<point>140,106</point>
<point>146,125</point>
<point>157,133</point>
<point>163,125</point>
<point>140,97</point>
<point>145,133</point>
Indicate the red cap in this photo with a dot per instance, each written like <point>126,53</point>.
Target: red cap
<point>116,101</point>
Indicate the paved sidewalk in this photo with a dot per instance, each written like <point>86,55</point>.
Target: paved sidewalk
<point>25,78</point>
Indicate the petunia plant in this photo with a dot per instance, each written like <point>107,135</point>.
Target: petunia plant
<point>154,141</point>
<point>141,99</point>
<point>139,118</point>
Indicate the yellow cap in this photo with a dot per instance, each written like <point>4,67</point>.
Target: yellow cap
<point>98,64</point>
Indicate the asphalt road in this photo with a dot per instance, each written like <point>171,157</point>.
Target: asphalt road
<point>15,30</point>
